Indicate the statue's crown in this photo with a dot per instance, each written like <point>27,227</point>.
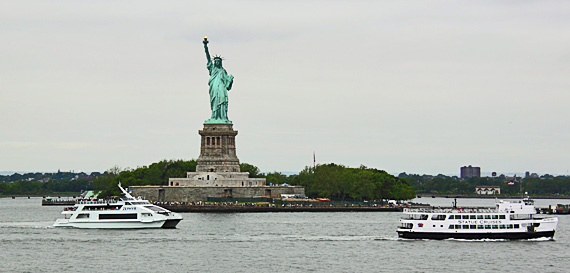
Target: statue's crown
<point>218,57</point>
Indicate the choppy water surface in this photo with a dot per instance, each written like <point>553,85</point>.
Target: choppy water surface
<point>264,242</point>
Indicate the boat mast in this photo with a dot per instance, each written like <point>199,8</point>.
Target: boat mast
<point>125,192</point>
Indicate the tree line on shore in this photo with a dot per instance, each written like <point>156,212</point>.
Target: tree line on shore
<point>45,183</point>
<point>331,180</point>
<point>546,185</point>
<point>325,180</point>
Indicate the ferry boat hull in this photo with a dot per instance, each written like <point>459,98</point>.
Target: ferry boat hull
<point>476,236</point>
<point>109,225</point>
<point>171,223</point>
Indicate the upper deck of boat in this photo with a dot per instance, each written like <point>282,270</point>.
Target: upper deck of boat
<point>450,210</point>
<point>111,202</point>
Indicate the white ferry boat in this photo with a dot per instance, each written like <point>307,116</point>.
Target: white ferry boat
<point>516,220</point>
<point>127,212</point>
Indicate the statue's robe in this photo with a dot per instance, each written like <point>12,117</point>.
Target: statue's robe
<point>220,83</point>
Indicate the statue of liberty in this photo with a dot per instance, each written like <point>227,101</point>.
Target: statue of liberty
<point>220,83</point>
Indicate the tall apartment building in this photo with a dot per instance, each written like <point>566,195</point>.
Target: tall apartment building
<point>469,171</point>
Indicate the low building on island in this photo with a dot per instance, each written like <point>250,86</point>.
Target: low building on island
<point>488,190</point>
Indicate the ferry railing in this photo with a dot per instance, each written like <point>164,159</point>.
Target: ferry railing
<point>94,202</point>
<point>449,210</point>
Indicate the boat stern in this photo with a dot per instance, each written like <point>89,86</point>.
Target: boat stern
<point>172,220</point>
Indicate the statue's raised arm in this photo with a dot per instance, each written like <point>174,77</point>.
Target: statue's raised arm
<point>206,48</point>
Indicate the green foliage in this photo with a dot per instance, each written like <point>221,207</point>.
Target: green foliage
<point>545,185</point>
<point>340,182</point>
<point>252,170</point>
<point>276,178</point>
<point>43,188</point>
<point>45,183</point>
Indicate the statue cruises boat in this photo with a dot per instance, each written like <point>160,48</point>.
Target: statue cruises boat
<point>506,220</point>
<point>126,212</point>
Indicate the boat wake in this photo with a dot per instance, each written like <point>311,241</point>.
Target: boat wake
<point>348,238</point>
<point>294,238</point>
<point>31,225</point>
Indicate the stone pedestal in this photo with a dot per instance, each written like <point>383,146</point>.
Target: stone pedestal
<point>218,165</point>
<point>218,149</point>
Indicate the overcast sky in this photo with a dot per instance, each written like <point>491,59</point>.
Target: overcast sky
<point>403,86</point>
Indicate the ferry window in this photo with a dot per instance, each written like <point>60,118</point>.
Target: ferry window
<point>502,226</point>
<point>457,226</point>
<point>465,226</point>
<point>118,216</point>
<point>480,227</point>
<point>450,226</point>
<point>438,217</point>
<point>451,216</point>
<point>473,227</point>
<point>457,216</point>
<point>510,226</point>
<point>487,216</point>
<point>495,227</point>
<point>502,216</point>
<point>465,216</point>
<point>517,226</point>
<point>82,215</point>
<point>487,226</point>
<point>472,217</point>
<point>495,216</point>
<point>479,216</point>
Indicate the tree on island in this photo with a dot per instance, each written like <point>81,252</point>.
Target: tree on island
<point>340,182</point>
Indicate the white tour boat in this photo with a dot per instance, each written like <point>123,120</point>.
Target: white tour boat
<point>127,212</point>
<point>516,220</point>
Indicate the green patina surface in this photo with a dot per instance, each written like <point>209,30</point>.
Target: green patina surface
<point>220,83</point>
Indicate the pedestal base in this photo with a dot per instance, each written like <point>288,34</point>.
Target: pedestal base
<point>218,149</point>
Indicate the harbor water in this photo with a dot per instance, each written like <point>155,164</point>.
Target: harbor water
<point>265,242</point>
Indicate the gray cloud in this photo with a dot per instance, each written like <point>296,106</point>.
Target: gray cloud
<point>418,86</point>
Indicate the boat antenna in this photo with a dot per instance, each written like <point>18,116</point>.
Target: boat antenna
<point>124,191</point>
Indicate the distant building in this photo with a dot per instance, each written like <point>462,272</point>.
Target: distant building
<point>487,189</point>
<point>469,171</point>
